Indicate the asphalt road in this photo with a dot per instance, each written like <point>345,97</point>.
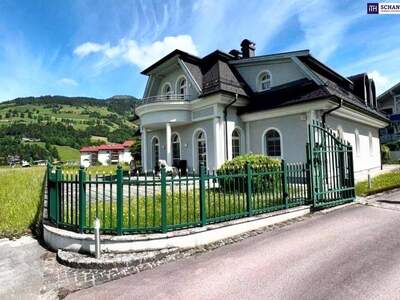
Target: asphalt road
<point>350,253</point>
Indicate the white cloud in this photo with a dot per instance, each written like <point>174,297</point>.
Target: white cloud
<point>382,83</point>
<point>130,51</point>
<point>68,81</point>
<point>323,27</point>
<point>89,48</point>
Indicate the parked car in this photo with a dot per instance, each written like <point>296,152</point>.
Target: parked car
<point>25,164</point>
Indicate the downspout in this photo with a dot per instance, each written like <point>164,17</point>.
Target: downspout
<point>331,110</point>
<point>226,123</point>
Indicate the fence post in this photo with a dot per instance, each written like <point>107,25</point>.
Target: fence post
<point>284,183</point>
<point>309,174</point>
<point>120,199</point>
<point>249,175</point>
<point>82,199</point>
<point>203,214</point>
<point>164,227</point>
<point>58,198</point>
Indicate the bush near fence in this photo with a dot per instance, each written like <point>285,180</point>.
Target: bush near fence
<point>232,172</point>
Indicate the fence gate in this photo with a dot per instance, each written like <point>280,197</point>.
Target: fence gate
<point>331,163</point>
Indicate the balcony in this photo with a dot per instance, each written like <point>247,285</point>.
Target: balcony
<point>163,99</point>
<point>155,111</point>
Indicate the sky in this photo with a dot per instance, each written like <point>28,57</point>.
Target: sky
<point>98,48</point>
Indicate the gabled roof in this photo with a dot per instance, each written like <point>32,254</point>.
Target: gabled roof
<point>176,53</point>
<point>396,87</point>
<point>89,149</point>
<point>122,146</point>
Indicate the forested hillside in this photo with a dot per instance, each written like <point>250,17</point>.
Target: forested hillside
<point>42,127</point>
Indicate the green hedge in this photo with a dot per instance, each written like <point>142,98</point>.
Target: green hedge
<point>233,173</point>
<point>256,161</point>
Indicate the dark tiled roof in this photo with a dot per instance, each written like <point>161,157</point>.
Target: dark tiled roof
<point>195,70</point>
<point>305,90</point>
<point>214,74</point>
<point>295,92</point>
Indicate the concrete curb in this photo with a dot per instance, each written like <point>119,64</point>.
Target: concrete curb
<point>57,238</point>
<point>110,260</point>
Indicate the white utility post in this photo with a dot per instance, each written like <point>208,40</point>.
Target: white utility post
<point>97,250</point>
<point>168,142</point>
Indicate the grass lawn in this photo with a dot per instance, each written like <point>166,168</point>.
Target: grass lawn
<point>379,184</point>
<point>68,153</point>
<point>20,199</point>
<point>96,169</point>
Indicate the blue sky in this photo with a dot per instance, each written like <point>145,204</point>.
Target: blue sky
<point>98,48</point>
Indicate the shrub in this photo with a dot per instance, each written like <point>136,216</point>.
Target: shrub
<point>233,173</point>
<point>256,161</point>
<point>385,151</point>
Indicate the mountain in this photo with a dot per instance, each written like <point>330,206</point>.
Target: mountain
<point>79,112</point>
<point>59,121</point>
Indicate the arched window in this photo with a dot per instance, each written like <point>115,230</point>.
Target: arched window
<point>176,149</point>
<point>264,81</point>
<point>155,145</point>
<point>167,90</point>
<point>182,87</point>
<point>273,143</point>
<point>357,138</point>
<point>201,142</point>
<point>235,143</point>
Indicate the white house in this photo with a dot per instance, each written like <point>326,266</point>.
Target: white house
<point>389,104</point>
<point>106,154</point>
<point>214,108</point>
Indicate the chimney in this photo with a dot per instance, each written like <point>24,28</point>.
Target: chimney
<point>248,48</point>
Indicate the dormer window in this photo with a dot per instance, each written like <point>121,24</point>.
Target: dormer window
<point>264,81</point>
<point>182,86</point>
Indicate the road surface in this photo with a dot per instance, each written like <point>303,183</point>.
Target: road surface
<point>350,253</point>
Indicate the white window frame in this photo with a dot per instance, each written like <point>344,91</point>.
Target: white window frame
<point>172,145</point>
<point>178,85</point>
<point>259,82</point>
<point>239,139</point>
<point>195,159</point>
<point>357,141</point>
<point>163,92</point>
<point>370,144</point>
<point>264,144</point>
<point>152,150</point>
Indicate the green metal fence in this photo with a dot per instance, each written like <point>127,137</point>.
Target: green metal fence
<point>331,163</point>
<point>133,203</point>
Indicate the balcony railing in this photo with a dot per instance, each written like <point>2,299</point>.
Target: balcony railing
<point>162,98</point>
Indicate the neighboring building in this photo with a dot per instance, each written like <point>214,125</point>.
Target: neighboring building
<point>106,154</point>
<point>214,108</point>
<point>389,104</point>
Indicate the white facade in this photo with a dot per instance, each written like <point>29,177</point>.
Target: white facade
<point>107,154</point>
<point>86,158</point>
<point>212,128</point>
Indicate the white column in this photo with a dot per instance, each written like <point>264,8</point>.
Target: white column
<point>144,149</point>
<point>168,143</point>
<point>247,133</point>
<point>216,140</point>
